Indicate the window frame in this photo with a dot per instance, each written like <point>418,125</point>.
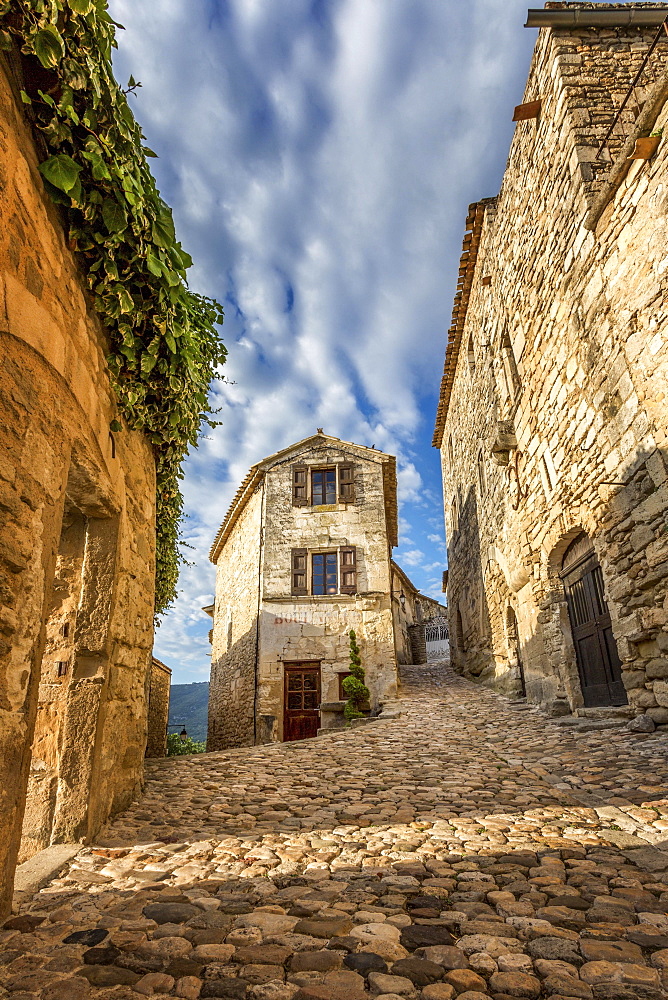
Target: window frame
<point>302,571</point>
<point>325,572</point>
<point>344,484</point>
<point>322,470</point>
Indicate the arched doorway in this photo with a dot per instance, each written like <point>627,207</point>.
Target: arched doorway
<point>598,661</point>
<point>514,650</point>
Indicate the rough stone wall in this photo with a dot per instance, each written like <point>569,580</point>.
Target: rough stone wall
<point>565,348</point>
<point>316,628</point>
<point>235,637</point>
<point>58,466</point>
<point>255,572</point>
<point>404,615</point>
<point>158,709</point>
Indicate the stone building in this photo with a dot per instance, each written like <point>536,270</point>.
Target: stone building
<point>303,556</point>
<point>412,611</point>
<point>158,708</point>
<point>76,536</point>
<point>553,416</point>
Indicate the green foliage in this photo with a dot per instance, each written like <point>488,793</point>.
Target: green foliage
<point>177,747</point>
<point>354,687</point>
<point>164,348</point>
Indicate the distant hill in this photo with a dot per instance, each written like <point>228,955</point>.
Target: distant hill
<point>188,706</point>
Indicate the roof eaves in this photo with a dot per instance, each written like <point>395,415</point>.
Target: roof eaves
<point>467,268</point>
<point>256,474</point>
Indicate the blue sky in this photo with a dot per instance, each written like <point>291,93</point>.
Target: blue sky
<point>319,157</point>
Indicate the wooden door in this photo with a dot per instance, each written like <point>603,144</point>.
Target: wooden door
<point>595,647</point>
<point>515,648</point>
<point>301,713</point>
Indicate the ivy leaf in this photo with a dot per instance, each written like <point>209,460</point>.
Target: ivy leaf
<point>5,41</point>
<point>154,265</point>
<point>148,362</point>
<point>25,98</point>
<point>114,215</point>
<point>115,425</point>
<point>149,152</point>
<point>81,6</point>
<point>49,47</point>
<point>127,303</point>
<point>162,229</point>
<point>74,74</point>
<point>61,171</point>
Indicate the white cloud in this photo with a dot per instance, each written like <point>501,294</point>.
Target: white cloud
<point>320,158</point>
<point>411,557</point>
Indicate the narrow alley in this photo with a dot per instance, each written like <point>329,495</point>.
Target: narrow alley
<point>469,848</point>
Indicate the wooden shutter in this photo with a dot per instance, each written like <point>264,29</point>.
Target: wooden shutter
<point>299,571</point>
<point>348,573</point>
<point>346,484</point>
<point>300,485</point>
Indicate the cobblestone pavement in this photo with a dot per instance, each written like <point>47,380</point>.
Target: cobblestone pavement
<point>471,848</point>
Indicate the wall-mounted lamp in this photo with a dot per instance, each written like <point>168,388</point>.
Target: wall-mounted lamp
<point>402,600</point>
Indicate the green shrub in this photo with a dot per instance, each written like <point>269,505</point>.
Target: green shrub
<point>354,687</point>
<point>177,747</point>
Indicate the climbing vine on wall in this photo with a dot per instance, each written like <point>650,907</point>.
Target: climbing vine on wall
<point>164,346</point>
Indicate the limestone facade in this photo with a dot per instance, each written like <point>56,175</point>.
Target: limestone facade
<point>158,708</point>
<point>283,528</point>
<point>553,417</point>
<point>411,611</point>
<point>76,537</point>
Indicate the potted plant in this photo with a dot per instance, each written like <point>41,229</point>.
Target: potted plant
<point>354,687</point>
<point>646,145</point>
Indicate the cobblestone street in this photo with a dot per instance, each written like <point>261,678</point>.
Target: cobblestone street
<point>470,848</point>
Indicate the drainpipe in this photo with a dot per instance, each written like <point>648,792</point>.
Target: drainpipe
<point>257,617</point>
<point>619,17</point>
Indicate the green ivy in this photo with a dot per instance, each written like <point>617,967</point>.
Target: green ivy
<point>164,348</point>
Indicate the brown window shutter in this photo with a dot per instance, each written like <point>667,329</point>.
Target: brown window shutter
<point>346,484</point>
<point>348,570</point>
<point>299,571</point>
<point>300,485</point>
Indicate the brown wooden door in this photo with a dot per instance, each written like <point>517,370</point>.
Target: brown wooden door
<point>301,714</point>
<point>595,647</point>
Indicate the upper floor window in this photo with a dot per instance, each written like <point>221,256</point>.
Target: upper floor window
<point>323,486</point>
<point>314,486</point>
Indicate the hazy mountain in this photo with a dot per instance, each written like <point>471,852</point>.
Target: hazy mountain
<point>188,706</point>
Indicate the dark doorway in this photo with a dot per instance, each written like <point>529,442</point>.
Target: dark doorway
<point>301,714</point>
<point>595,647</point>
<point>514,647</point>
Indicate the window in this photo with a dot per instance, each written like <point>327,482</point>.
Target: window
<point>342,694</point>
<point>62,668</point>
<point>471,355</point>
<point>323,486</point>
<point>325,573</point>
<point>510,371</point>
<point>454,516</point>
